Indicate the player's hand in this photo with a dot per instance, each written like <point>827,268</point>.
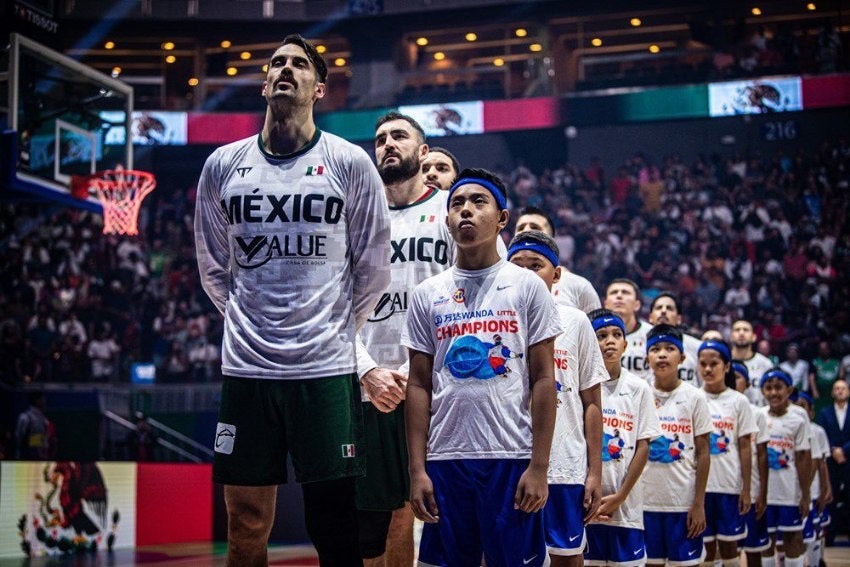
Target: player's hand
<point>422,499</point>
<point>696,520</point>
<point>805,506</point>
<point>838,455</point>
<point>592,497</point>
<point>744,503</point>
<point>610,503</point>
<point>822,501</point>
<point>761,507</point>
<point>532,490</point>
<point>381,385</point>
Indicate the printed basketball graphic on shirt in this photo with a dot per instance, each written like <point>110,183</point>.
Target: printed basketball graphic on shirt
<point>718,442</point>
<point>777,460</point>
<point>665,450</point>
<point>470,357</point>
<point>612,446</point>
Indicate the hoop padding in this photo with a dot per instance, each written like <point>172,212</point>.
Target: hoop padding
<point>121,192</point>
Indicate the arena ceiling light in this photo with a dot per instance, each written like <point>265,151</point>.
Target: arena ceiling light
<point>498,62</point>
<point>521,32</point>
<point>245,55</point>
<point>170,59</point>
<point>439,56</point>
<point>116,71</point>
<point>756,11</point>
<point>321,48</point>
<point>654,48</point>
<point>109,45</point>
<point>232,71</point>
<point>168,45</point>
<point>635,22</point>
<point>471,36</point>
<point>421,41</point>
<point>596,42</point>
<point>811,7</point>
<point>339,62</point>
<point>225,44</point>
<point>193,81</point>
<point>535,47</point>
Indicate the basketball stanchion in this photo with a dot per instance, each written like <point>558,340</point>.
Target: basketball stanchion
<point>121,192</point>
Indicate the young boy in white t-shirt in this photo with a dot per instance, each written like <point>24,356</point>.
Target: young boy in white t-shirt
<point>575,462</point>
<point>758,537</point>
<point>480,407</point>
<point>675,479</point>
<point>615,537</point>
<point>789,459</point>
<point>727,499</point>
<point>821,486</point>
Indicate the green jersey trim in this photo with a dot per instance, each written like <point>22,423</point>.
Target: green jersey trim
<point>294,154</point>
<point>419,201</point>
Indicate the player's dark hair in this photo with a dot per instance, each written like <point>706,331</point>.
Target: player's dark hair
<point>315,58</point>
<point>672,296</point>
<point>448,154</point>
<point>479,173</point>
<point>601,312</point>
<point>393,115</point>
<point>736,321</point>
<point>664,329</point>
<point>626,281</point>
<point>538,237</point>
<point>535,211</point>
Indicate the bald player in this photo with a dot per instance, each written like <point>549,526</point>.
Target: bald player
<point>439,169</point>
<point>666,309</point>
<point>571,290</point>
<point>623,298</point>
<point>743,339</point>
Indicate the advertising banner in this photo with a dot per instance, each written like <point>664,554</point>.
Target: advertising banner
<point>757,96</point>
<point>449,119</point>
<point>149,128</point>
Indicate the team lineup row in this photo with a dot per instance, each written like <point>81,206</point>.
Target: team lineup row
<point>410,356</point>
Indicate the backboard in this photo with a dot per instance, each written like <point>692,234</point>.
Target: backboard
<point>60,111</point>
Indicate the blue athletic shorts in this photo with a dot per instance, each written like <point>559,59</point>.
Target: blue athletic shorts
<point>811,526</point>
<point>614,545</point>
<point>667,539</point>
<point>722,521</point>
<point>783,518</point>
<point>758,538</point>
<point>563,517</point>
<point>825,518</point>
<point>475,498</point>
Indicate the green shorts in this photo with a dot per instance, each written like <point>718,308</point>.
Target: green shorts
<point>386,485</point>
<point>317,422</point>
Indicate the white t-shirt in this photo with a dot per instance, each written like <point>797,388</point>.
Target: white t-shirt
<point>628,415</point>
<point>799,373</point>
<point>573,290</point>
<point>578,366</point>
<point>762,436</point>
<point>732,418</point>
<point>478,325</point>
<point>634,358</point>
<point>789,433</point>
<point>689,369</point>
<point>756,365</point>
<point>670,475</point>
<point>820,450</point>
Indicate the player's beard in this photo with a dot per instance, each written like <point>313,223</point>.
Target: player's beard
<point>406,168</point>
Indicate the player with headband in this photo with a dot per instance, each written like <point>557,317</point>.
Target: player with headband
<point>479,424</point>
<point>728,496</point>
<point>616,537</point>
<point>675,479</point>
<point>665,308</point>
<point>575,460</point>
<point>790,461</point>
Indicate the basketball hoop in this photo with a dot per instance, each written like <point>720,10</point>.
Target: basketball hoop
<point>121,192</point>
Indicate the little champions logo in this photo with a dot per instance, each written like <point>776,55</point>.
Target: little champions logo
<point>348,451</point>
<point>470,357</point>
<point>225,435</point>
<point>315,170</point>
<point>459,295</point>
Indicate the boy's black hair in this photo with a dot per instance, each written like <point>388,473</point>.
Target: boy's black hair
<point>539,237</point>
<point>601,312</point>
<point>664,329</point>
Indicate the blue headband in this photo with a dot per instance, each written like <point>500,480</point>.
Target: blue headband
<point>609,321</point>
<point>798,395</point>
<point>719,347</point>
<point>741,369</point>
<point>776,374</point>
<point>500,199</point>
<point>665,339</point>
<point>534,246</point>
